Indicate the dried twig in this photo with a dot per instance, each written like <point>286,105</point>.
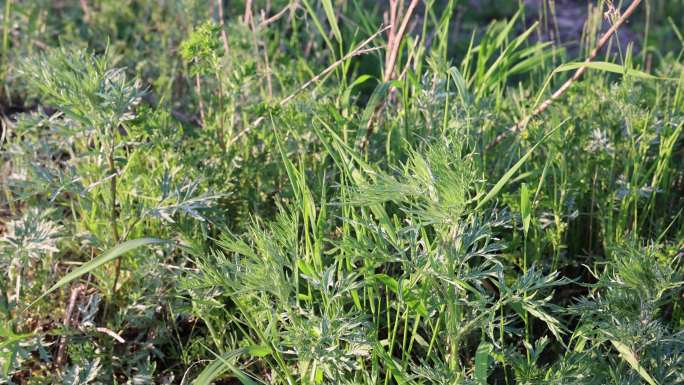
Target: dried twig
<point>290,7</point>
<point>61,353</point>
<point>394,38</point>
<point>86,11</point>
<point>247,17</point>
<point>578,73</point>
<point>224,37</point>
<point>111,333</point>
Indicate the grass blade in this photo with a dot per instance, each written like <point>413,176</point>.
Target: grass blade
<point>482,362</point>
<point>332,19</point>
<point>110,255</point>
<point>509,174</point>
<point>319,26</point>
<point>220,365</point>
<point>606,67</point>
<point>525,212</point>
<point>628,355</point>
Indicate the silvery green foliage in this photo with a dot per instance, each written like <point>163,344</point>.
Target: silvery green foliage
<point>30,237</point>
<point>88,311</point>
<point>85,88</point>
<point>15,350</point>
<point>436,259</point>
<point>433,185</point>
<point>27,241</point>
<point>334,346</point>
<point>627,307</point>
<point>82,374</point>
<point>182,198</point>
<point>438,374</point>
<point>43,162</point>
<point>143,372</point>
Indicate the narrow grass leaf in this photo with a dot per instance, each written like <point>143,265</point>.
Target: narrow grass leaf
<point>319,26</point>
<point>110,255</point>
<point>221,365</point>
<point>525,207</point>
<point>509,174</point>
<point>606,67</point>
<point>259,350</point>
<point>628,355</point>
<point>332,19</point>
<point>482,362</point>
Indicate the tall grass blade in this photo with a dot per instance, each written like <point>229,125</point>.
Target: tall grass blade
<point>628,355</point>
<point>525,210</point>
<point>509,174</point>
<point>332,19</point>
<point>110,255</point>
<point>606,67</point>
<point>319,26</point>
<point>221,365</point>
<point>482,362</point>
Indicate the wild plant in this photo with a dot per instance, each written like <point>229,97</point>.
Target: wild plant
<point>98,100</point>
<point>339,192</point>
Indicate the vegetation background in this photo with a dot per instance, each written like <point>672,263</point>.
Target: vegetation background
<point>341,192</point>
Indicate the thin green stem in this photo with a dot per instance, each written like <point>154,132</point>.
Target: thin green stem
<point>5,39</point>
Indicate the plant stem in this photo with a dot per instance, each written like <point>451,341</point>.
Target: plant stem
<point>114,216</point>
<point>198,88</point>
<point>224,37</point>
<point>394,39</point>
<point>5,39</point>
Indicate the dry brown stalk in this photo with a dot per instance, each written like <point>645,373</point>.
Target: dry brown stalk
<point>394,38</point>
<point>86,11</point>
<point>290,7</point>
<point>578,73</point>
<point>247,17</point>
<point>61,353</point>
<point>111,333</point>
<point>224,37</point>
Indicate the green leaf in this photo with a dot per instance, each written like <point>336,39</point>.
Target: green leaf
<point>461,85</point>
<point>607,67</point>
<point>509,174</point>
<point>525,207</point>
<point>99,261</point>
<point>378,96</point>
<point>318,377</point>
<point>259,350</point>
<point>628,355</point>
<point>360,80</point>
<point>392,365</point>
<point>482,362</point>
<point>319,26</point>
<point>389,282</point>
<point>332,19</point>
<point>221,365</point>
